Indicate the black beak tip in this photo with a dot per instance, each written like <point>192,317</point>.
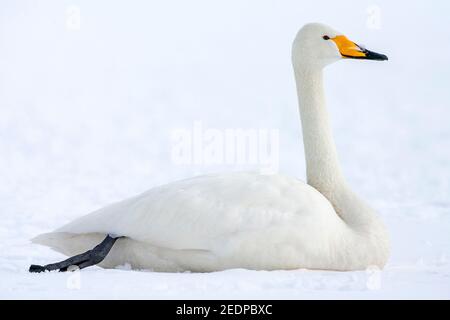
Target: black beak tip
<point>383,57</point>
<point>370,55</point>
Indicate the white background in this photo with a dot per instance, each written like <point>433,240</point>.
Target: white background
<point>87,112</point>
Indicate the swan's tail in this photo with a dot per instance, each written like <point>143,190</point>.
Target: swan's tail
<point>69,243</point>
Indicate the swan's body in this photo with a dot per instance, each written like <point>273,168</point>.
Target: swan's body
<point>247,220</point>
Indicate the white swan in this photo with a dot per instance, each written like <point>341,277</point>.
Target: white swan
<point>247,220</point>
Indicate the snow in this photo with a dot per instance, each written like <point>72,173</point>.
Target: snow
<point>87,112</point>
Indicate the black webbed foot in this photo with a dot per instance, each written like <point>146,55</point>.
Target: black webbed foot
<point>83,260</point>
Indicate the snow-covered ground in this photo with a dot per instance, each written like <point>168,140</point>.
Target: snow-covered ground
<point>88,108</point>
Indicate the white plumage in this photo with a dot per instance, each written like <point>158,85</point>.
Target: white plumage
<point>246,220</point>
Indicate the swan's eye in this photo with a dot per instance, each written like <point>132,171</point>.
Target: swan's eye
<point>326,38</point>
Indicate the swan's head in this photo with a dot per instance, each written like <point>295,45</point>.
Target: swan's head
<point>318,45</point>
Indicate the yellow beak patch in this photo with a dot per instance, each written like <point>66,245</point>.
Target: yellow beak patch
<point>347,48</point>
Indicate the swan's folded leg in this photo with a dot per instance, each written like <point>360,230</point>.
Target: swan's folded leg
<point>83,260</point>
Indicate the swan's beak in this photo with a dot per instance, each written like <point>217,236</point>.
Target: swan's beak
<point>349,49</point>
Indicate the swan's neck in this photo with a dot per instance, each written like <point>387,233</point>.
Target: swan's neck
<point>324,172</point>
<point>322,165</point>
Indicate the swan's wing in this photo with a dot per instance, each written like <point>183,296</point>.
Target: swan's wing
<point>196,213</point>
